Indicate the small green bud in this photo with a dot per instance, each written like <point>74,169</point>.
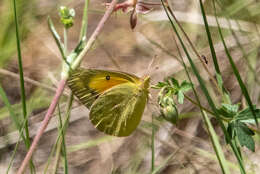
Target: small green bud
<point>67,16</point>
<point>170,113</point>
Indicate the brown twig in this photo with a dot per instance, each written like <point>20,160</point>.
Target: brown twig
<point>61,87</point>
<point>29,80</point>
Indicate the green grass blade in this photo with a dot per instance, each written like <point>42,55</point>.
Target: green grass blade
<point>211,45</point>
<point>16,146</point>
<point>13,155</point>
<point>236,72</point>
<point>225,96</point>
<point>21,74</point>
<point>27,136</point>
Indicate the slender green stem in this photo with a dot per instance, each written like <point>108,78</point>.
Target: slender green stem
<point>65,37</point>
<point>63,144</point>
<point>57,158</point>
<point>152,146</point>
<point>216,144</point>
<point>197,104</point>
<point>13,155</point>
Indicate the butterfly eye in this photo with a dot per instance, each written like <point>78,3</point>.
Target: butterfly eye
<point>107,77</point>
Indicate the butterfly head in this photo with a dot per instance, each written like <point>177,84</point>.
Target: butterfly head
<point>146,82</point>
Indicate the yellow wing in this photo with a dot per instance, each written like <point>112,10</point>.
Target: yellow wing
<point>118,111</point>
<point>88,84</point>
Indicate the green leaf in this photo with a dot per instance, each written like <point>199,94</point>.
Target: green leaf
<point>232,109</point>
<point>185,86</point>
<point>175,82</point>
<point>228,110</point>
<point>180,97</point>
<point>57,38</point>
<point>219,80</point>
<point>244,135</point>
<point>246,114</point>
<point>224,112</point>
<point>245,128</point>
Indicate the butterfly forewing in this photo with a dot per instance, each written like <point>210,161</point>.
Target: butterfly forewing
<point>88,84</point>
<point>118,110</point>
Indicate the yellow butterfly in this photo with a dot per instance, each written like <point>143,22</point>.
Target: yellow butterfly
<point>116,99</point>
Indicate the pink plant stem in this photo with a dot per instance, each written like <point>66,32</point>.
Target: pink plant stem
<point>44,124</point>
<point>61,87</point>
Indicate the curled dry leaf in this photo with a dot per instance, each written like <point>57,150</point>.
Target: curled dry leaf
<point>133,20</point>
<point>137,7</point>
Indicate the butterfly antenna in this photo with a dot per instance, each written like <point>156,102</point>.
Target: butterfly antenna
<point>150,68</point>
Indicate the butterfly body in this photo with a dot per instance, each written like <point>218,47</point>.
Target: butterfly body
<point>116,99</point>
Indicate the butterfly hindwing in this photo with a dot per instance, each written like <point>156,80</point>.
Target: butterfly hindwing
<point>116,99</point>
<point>88,84</point>
<point>118,111</point>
